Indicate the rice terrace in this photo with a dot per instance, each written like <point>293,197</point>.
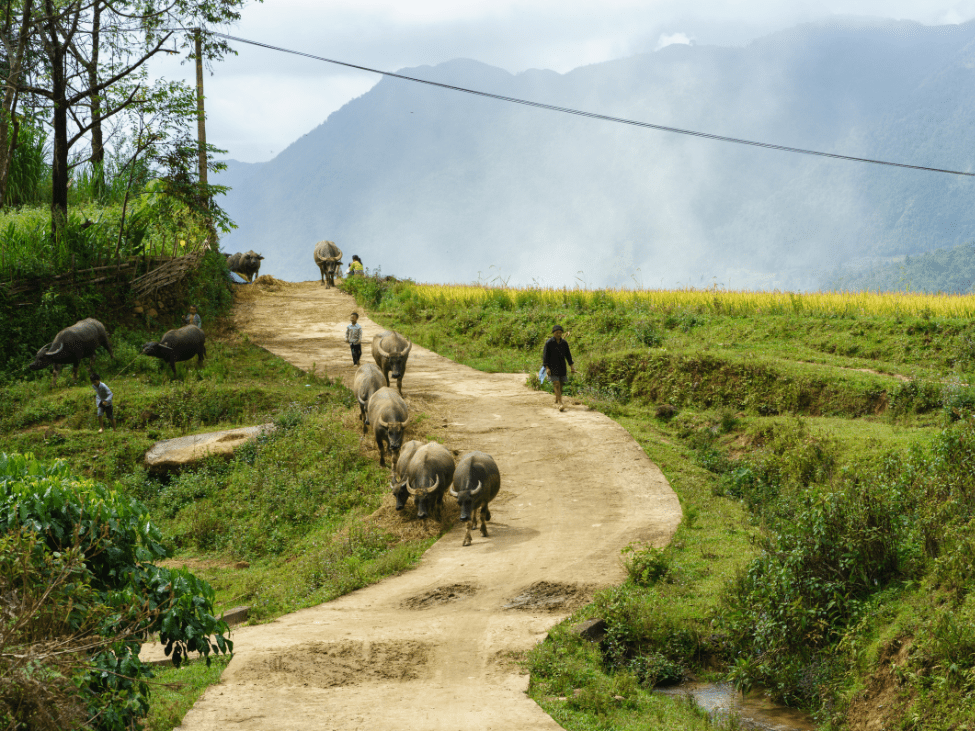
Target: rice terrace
<point>829,428</point>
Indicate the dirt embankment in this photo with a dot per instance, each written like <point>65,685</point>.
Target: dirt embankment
<point>426,649</point>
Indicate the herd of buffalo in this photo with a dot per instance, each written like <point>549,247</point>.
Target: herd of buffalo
<point>80,341</point>
<point>423,471</point>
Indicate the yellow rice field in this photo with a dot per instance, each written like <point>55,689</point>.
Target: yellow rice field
<point>842,304</point>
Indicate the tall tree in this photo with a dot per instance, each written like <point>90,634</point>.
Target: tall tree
<point>17,29</point>
<point>95,53</point>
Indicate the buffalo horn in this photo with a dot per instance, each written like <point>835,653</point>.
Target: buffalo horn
<point>56,350</point>
<point>453,492</point>
<point>383,423</point>
<point>382,352</point>
<point>408,347</point>
<point>478,489</point>
<point>420,492</point>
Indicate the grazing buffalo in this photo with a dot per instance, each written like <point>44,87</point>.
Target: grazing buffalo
<point>328,257</point>
<point>178,345</point>
<point>476,483</point>
<point>427,476</point>
<point>388,414</point>
<point>246,265</point>
<point>390,351</point>
<point>71,346</point>
<point>397,478</point>
<point>368,380</point>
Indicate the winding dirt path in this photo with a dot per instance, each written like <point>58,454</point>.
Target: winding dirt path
<point>430,649</point>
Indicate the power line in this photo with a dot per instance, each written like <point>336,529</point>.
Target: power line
<point>592,115</point>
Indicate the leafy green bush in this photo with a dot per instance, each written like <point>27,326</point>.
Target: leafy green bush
<point>128,595</point>
<point>370,290</point>
<point>28,167</point>
<point>832,548</point>
<point>645,332</point>
<point>958,400</point>
<point>646,565</point>
<point>209,286</point>
<point>658,646</point>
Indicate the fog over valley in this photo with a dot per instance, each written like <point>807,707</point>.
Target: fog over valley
<point>437,185</point>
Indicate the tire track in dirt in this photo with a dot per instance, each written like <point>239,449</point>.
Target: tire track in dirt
<point>426,649</point>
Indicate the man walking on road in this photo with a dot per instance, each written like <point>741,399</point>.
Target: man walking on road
<point>554,357</point>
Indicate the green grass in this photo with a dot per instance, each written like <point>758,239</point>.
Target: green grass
<point>281,526</point>
<point>175,690</point>
<point>664,614</point>
<point>291,505</point>
<point>791,445</point>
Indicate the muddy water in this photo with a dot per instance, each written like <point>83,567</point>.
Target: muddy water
<point>754,710</point>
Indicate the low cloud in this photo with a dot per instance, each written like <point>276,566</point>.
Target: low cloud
<point>673,39</point>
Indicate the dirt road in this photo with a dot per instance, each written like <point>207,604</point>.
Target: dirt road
<point>429,649</point>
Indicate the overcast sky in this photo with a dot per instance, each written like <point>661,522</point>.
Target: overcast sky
<point>260,101</point>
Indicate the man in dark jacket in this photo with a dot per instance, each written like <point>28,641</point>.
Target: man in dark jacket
<point>554,357</point>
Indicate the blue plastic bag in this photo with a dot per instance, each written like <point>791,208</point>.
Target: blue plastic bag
<point>541,375</point>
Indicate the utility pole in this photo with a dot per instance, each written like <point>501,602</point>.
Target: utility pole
<point>201,133</point>
<point>201,125</point>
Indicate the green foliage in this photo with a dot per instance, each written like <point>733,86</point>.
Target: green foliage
<point>646,332</point>
<point>841,544</point>
<point>118,543</point>
<point>942,270</point>
<point>175,690</point>
<point>306,473</point>
<point>791,417</point>
<point>646,565</point>
<point>28,168</point>
<point>372,290</point>
<point>51,501</point>
<point>27,328</point>
<point>209,286</point>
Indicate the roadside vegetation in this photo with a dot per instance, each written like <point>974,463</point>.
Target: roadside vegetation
<point>96,552</point>
<point>287,523</point>
<point>821,446</point>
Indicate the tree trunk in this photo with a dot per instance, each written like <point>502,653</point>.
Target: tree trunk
<point>59,155</point>
<point>9,104</point>
<point>97,141</point>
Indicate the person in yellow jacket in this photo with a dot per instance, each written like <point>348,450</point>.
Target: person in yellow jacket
<point>355,267</point>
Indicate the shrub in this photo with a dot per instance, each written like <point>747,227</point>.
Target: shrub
<point>646,332</point>
<point>115,591</point>
<point>646,565</point>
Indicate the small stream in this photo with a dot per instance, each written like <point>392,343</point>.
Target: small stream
<point>754,710</point>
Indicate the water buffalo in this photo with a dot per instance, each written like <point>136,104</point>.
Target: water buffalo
<point>328,257</point>
<point>368,380</point>
<point>397,478</point>
<point>476,483</point>
<point>427,476</point>
<point>178,345</point>
<point>390,351</point>
<point>72,345</point>
<point>247,265</point>
<point>388,414</point>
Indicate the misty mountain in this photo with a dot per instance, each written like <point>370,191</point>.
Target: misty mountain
<point>444,186</point>
<point>951,271</point>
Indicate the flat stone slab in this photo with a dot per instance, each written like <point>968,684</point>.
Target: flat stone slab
<point>175,454</point>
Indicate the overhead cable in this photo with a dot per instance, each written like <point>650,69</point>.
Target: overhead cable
<point>591,115</point>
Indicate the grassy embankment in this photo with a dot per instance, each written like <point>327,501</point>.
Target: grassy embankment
<point>283,525</point>
<point>821,446</point>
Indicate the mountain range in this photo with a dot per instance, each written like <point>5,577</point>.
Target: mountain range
<point>436,185</point>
